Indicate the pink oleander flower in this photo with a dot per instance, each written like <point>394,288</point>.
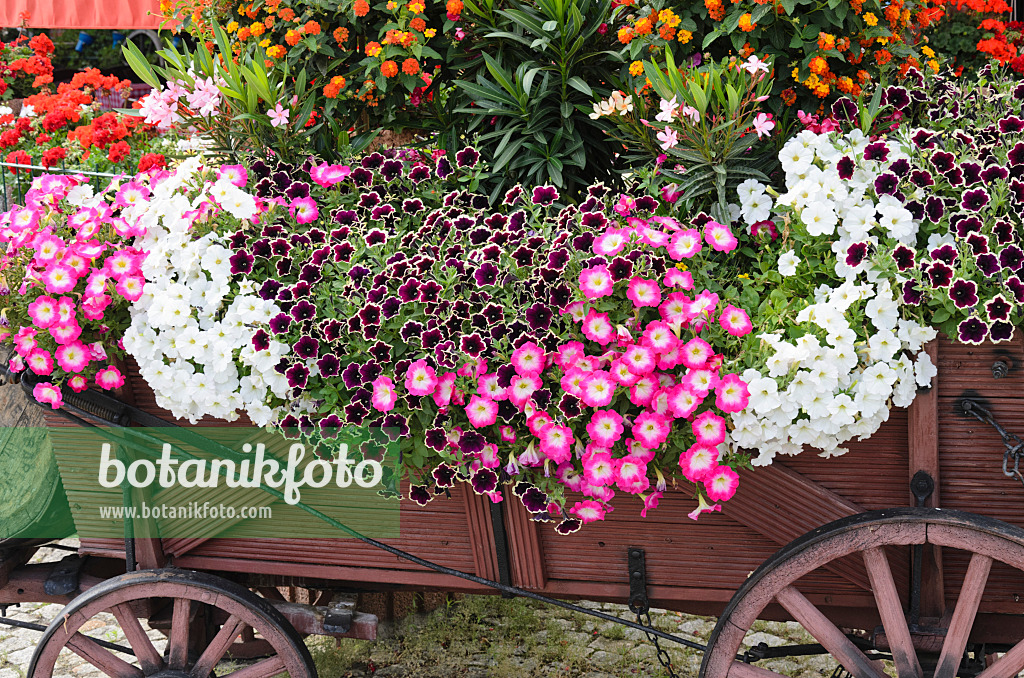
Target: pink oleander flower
<point>605,428</point>
<point>643,292</point>
<point>567,354</point>
<point>676,278</point>
<point>719,237</point>
<point>43,311</point>
<point>40,361</point>
<point>643,390</point>
<point>384,395</point>
<point>640,359</point>
<point>73,357</point>
<point>588,511</point>
<point>763,125</point>
<point>482,412</point>
<point>703,507</point>
<point>420,379</point>
<point>682,401</point>
<point>659,336</point>
<point>709,429</point>
<point>651,430</point>
<point>611,242</point>
<point>696,353</point>
<point>685,244</point>
<point>598,389</point>
<point>721,483</point>
<point>597,327</point>
<point>48,394</point>
<point>732,394</point>
<point>735,321</point>
<point>631,475</point>
<point>109,378</point>
<point>304,210</point>
<point>556,442</point>
<point>698,461</point>
<point>650,502</point>
<point>529,359</point>
<point>596,282</point>
<point>278,115</point>
<point>78,383</point>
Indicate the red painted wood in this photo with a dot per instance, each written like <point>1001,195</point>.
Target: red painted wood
<point>744,670</point>
<point>177,642</point>
<point>147,654</point>
<point>526,553</point>
<point>890,609</point>
<point>218,647</point>
<point>103,659</point>
<point>923,431</point>
<point>1007,666</point>
<point>826,633</point>
<point>263,669</point>
<point>963,616</point>
<point>481,535</point>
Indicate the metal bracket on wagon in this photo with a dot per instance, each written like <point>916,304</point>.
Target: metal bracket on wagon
<point>1011,441</point>
<point>638,603</point>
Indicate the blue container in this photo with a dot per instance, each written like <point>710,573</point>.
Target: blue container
<point>84,40</point>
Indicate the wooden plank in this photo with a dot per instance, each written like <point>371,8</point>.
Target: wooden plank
<point>527,555</point>
<point>963,616</point>
<point>1007,666</point>
<point>481,534</point>
<point>773,491</point>
<point>89,650</point>
<point>891,611</point>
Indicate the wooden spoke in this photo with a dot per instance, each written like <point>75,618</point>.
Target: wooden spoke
<point>148,656</point>
<point>218,647</point>
<point>891,611</point>
<point>826,633</point>
<point>177,642</point>
<point>264,669</point>
<point>1007,666</point>
<point>744,670</point>
<point>963,616</point>
<point>105,661</point>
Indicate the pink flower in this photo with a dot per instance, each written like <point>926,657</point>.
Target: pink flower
<point>709,429</point>
<point>43,311</point>
<point>575,310</point>
<point>700,380</point>
<point>132,193</point>
<point>588,511</point>
<point>621,373</point>
<point>640,359</point>
<point>96,284</point>
<point>538,421</point>
<point>611,242</point>
<point>597,327</point>
<point>529,359</point>
<point>130,287</point>
<point>673,311</point>
<point>643,292</point>
<point>596,282</point>
<point>522,388</point>
<point>696,353</point>
<point>598,467</point>
<point>605,428</point>
<point>489,386</point>
<point>732,394</point>
<point>556,442</point>
<point>698,461</point>
<point>721,483</point>
<point>121,263</point>
<point>763,125</point>
<point>682,401</point>
<point>676,278</point>
<point>702,305</point>
<point>48,248</point>
<point>444,391</point>
<point>719,237</point>
<point>48,394</point>
<point>568,476</point>
<point>73,357</point>
<point>92,307</point>
<point>236,174</point>
<point>651,430</point>
<point>643,390</point>
<point>684,244</point>
<point>508,434</point>
<point>571,381</point>
<point>78,383</point>
<point>598,389</point>
<point>278,115</point>
<point>659,336</point>
<point>40,361</point>
<point>567,354</point>
<point>650,502</point>
<point>384,396</point>
<point>671,358</point>
<point>420,379</point>
<point>304,210</point>
<point>625,205</point>
<point>631,475</point>
<point>735,321</point>
<point>327,175</point>
<point>25,341</point>
<point>703,507</point>
<point>109,378</point>
<point>481,411</point>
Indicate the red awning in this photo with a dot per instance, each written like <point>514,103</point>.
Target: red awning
<point>127,14</point>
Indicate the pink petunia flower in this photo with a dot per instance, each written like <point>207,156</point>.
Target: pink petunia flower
<point>109,378</point>
<point>596,282</point>
<point>522,388</point>
<point>529,359</point>
<point>732,394</point>
<point>719,237</point>
<point>384,395</point>
<point>481,411</point>
<point>698,461</point>
<point>567,354</point>
<point>489,386</point>
<point>236,174</point>
<point>721,483</point>
<point>43,311</point>
<point>25,341</point>
<point>598,389</point>
<point>78,383</point>
<point>701,380</point>
<point>659,336</point>
<point>676,278</point>
<point>588,511</point>
<point>444,392</point>
<point>40,361</point>
<point>643,390</point>
<point>605,427</point>
<point>696,353</point>
<point>597,327</point>
<point>682,401</point>
<point>72,357</point>
<point>643,292</point>
<point>709,429</point>
<point>631,475</point>
<point>640,359</point>
<point>621,373</point>
<point>420,379</point>
<point>611,242</point>
<point>650,502</point>
<point>684,244</point>
<point>703,507</point>
<point>304,210</point>
<point>556,442</point>
<point>651,430</point>
<point>673,311</point>
<point>571,381</point>
<point>48,394</point>
<point>735,321</point>
<point>130,287</point>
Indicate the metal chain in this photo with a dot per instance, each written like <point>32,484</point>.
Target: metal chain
<point>644,619</point>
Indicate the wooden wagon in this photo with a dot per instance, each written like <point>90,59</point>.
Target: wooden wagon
<point>910,548</point>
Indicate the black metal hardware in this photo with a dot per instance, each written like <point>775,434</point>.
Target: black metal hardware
<point>638,603</point>
<point>64,578</point>
<point>340,611</point>
<point>1000,369</point>
<point>922,486</point>
<point>501,550</point>
<point>1011,441</point>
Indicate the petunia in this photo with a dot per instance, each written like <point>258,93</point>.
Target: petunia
<point>709,428</point>
<point>48,394</point>
<point>481,411</point>
<point>697,461</point>
<point>684,244</point>
<point>109,378</point>
<point>420,379</point>
<point>643,292</point>
<point>556,442</point>
<point>598,389</point>
<point>597,327</point>
<point>721,483</point>
<point>529,359</point>
<point>588,511</point>
<point>963,293</point>
<point>596,282</point>
<point>735,321</point>
<point>732,394</point>
<point>651,430</point>
<point>972,331</point>
<point>719,237</point>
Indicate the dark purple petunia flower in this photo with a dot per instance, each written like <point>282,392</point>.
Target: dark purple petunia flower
<point>558,259</point>
<point>594,220</point>
<point>372,161</point>
<point>1011,258</point>
<point>381,352</point>
<point>978,243</point>
<point>916,209</point>
<point>568,526</point>
<point>922,178</point>
<point>299,240</point>
<point>409,291</point>
<point>998,308</point>
<point>431,338</point>
<point>370,371</point>
<point>972,331</point>
<point>940,275</point>
<point>320,256</point>
<point>943,161</point>
<point>844,109</point>
<point>329,365</point>
<point>975,200</point>
<point>1018,92</point>
<point>369,200</point>
<point>904,257</point>
<point>261,248</point>
<point>361,176</point>
<point>420,495</point>
<point>923,139</point>
<point>945,253</point>
<point>429,292</point>
<point>935,209</point>
<point>845,167</point>
<point>646,203</point>
<point>471,442</point>
<point>375,237</point>
<point>484,481</point>
<point>1011,124</point>
<point>494,313</point>
<point>534,500</point>
<point>965,224</point>
<point>331,329</point>
<point>435,439</point>
<point>467,157</point>
<point>279,323</point>
<point>345,218</point>
<point>900,168</point>
<point>855,253</point>
<point>994,173</point>
<point>620,268</point>
<point>350,376</point>
<point>955,177</point>
<point>355,413</point>
<point>539,317</point>
<point>370,314</point>
<point>544,195</point>
<point>444,475</point>
<point>269,289</point>
<point>382,213</point>
<point>419,173</point>
<point>303,310</point>
<point>354,324</point>
<point>1001,331</point>
<point>988,264</point>
<point>583,242</point>
<point>877,151</point>
<point>285,294</point>
<point>1017,191</point>
<point>290,422</point>
<point>311,274</point>
<point>241,262</point>
<point>444,168</point>
<point>472,344</point>
<point>330,425</point>
<point>357,273</point>
<point>1004,232</point>
<point>1016,155</point>
<point>964,293</point>
<point>896,97</point>
<point>297,375</point>
<point>343,251</point>
<point>886,183</point>
<point>964,138</point>
<point>569,406</point>
<point>972,173</point>
<point>391,170</point>
<point>306,347</point>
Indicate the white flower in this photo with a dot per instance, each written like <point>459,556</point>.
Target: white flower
<point>842,410</point>
<point>748,188</point>
<point>883,345</point>
<point>764,395</point>
<point>924,369</point>
<point>758,208</point>
<point>796,157</point>
<point>899,222</point>
<point>877,380</point>
<point>819,219</point>
<point>788,263</point>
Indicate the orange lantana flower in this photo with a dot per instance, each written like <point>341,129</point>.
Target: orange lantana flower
<point>389,69</point>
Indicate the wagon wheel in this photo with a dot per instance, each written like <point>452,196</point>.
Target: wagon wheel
<point>190,597</point>
<point>866,535</point>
